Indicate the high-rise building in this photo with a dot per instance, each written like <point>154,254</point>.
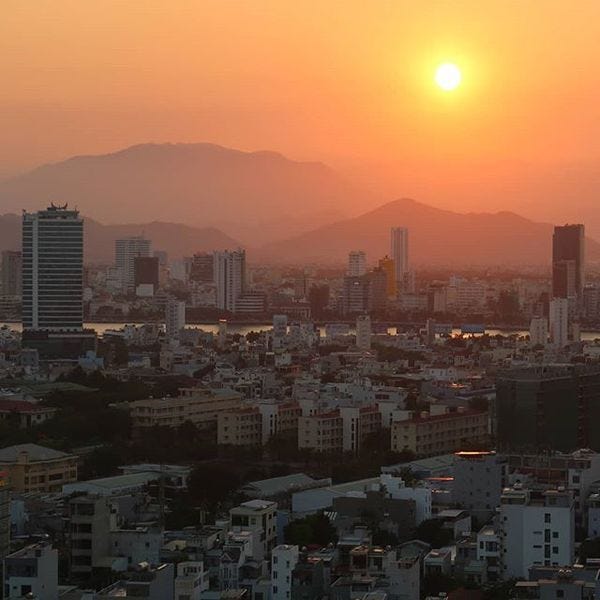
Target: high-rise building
<point>538,331</point>
<point>146,271</point>
<point>363,332</point>
<point>399,248</point>
<point>568,261</point>
<point>387,264</point>
<point>174,317</point>
<point>230,277</point>
<point>53,269</point>
<point>559,322</point>
<point>126,251</point>
<point>357,263</point>
<point>11,273</point>
<point>202,268</point>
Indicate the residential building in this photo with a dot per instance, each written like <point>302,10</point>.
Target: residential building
<point>174,318</point>
<point>429,435</point>
<point>199,406</point>
<point>388,266</point>
<point>568,244</point>
<point>259,518</point>
<point>363,332</point>
<point>559,322</point>
<point>191,580</point>
<point>145,273</point>
<point>146,581</point>
<point>357,263</point>
<point>230,277</point>
<point>24,414</point>
<point>535,529</point>
<point>479,478</point>
<point>33,468</point>
<point>284,559</point>
<point>202,268</point>
<point>5,517</point>
<point>538,331</point>
<point>126,251</point>
<point>31,572</point>
<point>240,427</point>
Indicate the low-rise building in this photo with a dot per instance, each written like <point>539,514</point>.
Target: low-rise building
<point>240,427</point>
<point>33,468</point>
<point>258,517</point>
<point>32,572</point>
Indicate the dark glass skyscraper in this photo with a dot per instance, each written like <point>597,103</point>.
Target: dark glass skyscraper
<point>53,270</point>
<point>568,261</point>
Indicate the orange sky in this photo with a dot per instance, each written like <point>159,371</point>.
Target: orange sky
<point>348,82</point>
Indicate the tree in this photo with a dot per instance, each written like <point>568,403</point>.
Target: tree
<point>210,485</point>
<point>432,531</point>
<point>313,529</point>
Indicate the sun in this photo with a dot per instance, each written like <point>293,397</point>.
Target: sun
<point>448,76</point>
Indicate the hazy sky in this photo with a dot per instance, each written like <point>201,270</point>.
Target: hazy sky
<point>348,82</point>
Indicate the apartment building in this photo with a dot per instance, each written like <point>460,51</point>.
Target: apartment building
<point>33,468</point>
<point>31,572</point>
<point>535,529</point>
<point>199,406</point>
<point>283,562</point>
<point>240,427</point>
<point>259,518</point>
<point>429,435</point>
<point>278,418</point>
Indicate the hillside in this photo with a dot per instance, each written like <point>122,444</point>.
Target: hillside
<point>437,237</point>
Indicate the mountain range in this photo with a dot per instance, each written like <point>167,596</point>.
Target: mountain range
<point>197,184</point>
<point>437,237</point>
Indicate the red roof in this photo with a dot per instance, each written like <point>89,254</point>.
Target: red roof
<point>21,406</point>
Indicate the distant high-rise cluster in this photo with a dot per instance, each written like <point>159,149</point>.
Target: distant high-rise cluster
<point>126,251</point>
<point>357,263</point>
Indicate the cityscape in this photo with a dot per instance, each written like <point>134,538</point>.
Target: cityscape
<point>233,375</point>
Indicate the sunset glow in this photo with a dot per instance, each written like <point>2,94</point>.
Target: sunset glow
<point>448,76</point>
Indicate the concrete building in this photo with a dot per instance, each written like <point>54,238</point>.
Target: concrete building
<point>429,435</point>
<point>284,559</point>
<point>363,332</point>
<point>531,411</point>
<point>230,277</point>
<point>357,263</point>
<point>145,273</point>
<point>388,266</point>
<point>33,468</point>
<point>479,478</point>
<point>5,516</point>
<point>559,322</point>
<point>538,331</point>
<point>191,581</point>
<point>259,518</point>
<point>399,254</point>
<point>199,406</point>
<point>240,427</point>
<point>568,244</point>
<point>11,273</point>
<point>126,251</point>
<point>174,318</point>
<point>535,529</point>
<point>146,581</point>
<point>31,572</point>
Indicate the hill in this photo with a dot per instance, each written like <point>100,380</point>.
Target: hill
<point>99,240</point>
<point>437,237</point>
<point>198,184</point>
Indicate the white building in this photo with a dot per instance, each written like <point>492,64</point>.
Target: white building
<point>399,249</point>
<point>535,530</point>
<point>32,570</point>
<point>230,277</point>
<point>283,561</point>
<point>559,322</point>
<point>538,331</point>
<point>191,580</point>
<point>174,317</point>
<point>357,263</point>
<point>363,332</point>
<point>280,327</point>
<point>258,518</point>
<point>126,251</point>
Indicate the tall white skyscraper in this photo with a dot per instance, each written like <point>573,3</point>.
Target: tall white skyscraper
<point>52,266</point>
<point>559,322</point>
<point>126,250</point>
<point>230,277</point>
<point>357,263</point>
<point>399,249</point>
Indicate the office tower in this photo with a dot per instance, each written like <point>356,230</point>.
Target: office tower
<point>126,250</point>
<point>536,528</point>
<point>53,269</point>
<point>11,273</point>
<point>559,322</point>
<point>357,263</point>
<point>568,261</point>
<point>548,407</point>
<point>399,249</point>
<point>230,277</point>
<point>363,332</point>
<point>538,331</point>
<point>145,273</point>
<point>387,264</point>
<point>202,268</point>
<point>174,318</point>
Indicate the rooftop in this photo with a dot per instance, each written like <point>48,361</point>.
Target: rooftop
<point>33,451</point>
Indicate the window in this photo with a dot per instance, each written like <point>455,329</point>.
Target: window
<point>554,549</point>
<point>560,593</point>
<point>555,534</point>
<point>547,518</point>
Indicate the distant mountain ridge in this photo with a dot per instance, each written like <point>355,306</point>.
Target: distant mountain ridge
<point>259,193</point>
<point>436,237</point>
